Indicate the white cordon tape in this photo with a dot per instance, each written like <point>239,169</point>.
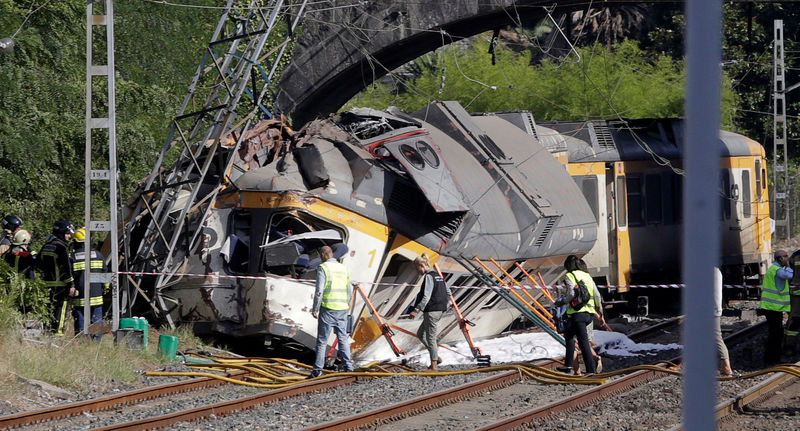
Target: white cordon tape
<point>506,287</point>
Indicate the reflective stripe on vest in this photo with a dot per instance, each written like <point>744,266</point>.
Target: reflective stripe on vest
<point>574,277</point>
<point>94,300</point>
<point>337,280</point>
<point>56,270</point>
<point>773,297</point>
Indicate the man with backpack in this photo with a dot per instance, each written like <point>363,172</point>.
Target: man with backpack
<point>581,294</point>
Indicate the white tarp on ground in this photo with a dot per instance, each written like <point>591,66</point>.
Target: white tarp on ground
<point>529,346</point>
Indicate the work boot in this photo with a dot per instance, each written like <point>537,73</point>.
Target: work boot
<point>314,373</point>
<point>564,369</point>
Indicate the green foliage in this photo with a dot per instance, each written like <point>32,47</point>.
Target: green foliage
<point>20,295</point>
<point>625,82</point>
<point>157,49</point>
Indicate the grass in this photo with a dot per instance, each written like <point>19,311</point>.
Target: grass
<point>74,363</point>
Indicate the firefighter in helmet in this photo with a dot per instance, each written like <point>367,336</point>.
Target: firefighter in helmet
<point>11,224</point>
<point>20,257</point>
<point>97,264</point>
<point>54,262</point>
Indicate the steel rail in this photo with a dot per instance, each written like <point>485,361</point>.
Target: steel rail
<point>423,403</point>
<point>227,407</point>
<point>755,394</point>
<point>645,332</point>
<point>105,403</point>
<point>594,394</point>
<point>588,396</point>
<point>111,401</point>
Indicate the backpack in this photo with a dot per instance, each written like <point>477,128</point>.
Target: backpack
<point>580,294</point>
<point>560,319</point>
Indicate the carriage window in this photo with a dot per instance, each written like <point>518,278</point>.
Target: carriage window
<point>588,185</point>
<point>652,198</point>
<point>493,301</point>
<point>677,197</point>
<point>759,180</point>
<point>746,198</point>
<point>291,244</point>
<point>666,198</point>
<point>458,292</point>
<point>622,219</point>
<point>235,250</point>
<point>635,201</point>
<point>725,194</point>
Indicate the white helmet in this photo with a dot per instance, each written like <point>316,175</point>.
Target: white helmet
<point>22,237</point>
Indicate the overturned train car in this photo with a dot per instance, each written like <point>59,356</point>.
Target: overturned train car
<point>380,188</point>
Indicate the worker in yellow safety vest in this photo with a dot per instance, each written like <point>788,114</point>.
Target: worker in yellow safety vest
<point>331,306</point>
<point>775,300</point>
<point>792,329</point>
<point>579,315</point>
<point>97,264</point>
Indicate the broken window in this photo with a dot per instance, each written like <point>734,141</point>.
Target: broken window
<point>292,243</point>
<point>236,248</point>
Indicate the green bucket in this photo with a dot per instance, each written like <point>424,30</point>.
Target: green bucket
<point>167,346</point>
<point>144,325</point>
<point>129,322</point>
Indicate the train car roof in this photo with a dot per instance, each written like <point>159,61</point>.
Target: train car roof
<point>638,139</point>
<point>459,185</point>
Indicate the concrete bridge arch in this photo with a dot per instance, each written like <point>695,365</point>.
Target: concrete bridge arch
<point>345,45</point>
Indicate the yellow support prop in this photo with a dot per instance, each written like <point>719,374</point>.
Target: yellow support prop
<point>516,295</point>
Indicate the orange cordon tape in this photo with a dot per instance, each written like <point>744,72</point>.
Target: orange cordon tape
<point>507,287</point>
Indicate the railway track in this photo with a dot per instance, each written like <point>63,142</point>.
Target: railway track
<point>510,387</point>
<point>772,404</point>
<point>545,408</point>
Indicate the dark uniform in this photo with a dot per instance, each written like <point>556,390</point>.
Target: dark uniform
<point>54,262</point>
<point>11,224</point>
<point>97,264</point>
<point>23,261</point>
<point>432,301</point>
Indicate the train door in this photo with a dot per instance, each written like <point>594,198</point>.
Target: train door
<point>590,178</point>
<point>396,284</point>
<point>619,249</point>
<point>744,247</point>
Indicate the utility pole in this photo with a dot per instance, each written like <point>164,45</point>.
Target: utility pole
<point>95,126</point>
<point>780,157</point>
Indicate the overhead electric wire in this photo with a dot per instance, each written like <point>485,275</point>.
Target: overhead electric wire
<point>30,13</point>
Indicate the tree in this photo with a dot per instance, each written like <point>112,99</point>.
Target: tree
<point>625,82</point>
<point>609,24</point>
<point>42,88</point>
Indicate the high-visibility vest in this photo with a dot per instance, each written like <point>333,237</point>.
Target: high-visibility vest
<point>773,297</point>
<point>337,281</point>
<point>97,264</point>
<point>574,277</point>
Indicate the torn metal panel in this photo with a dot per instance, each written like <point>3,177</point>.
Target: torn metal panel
<point>429,170</point>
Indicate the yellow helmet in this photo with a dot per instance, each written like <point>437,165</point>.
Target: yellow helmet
<point>79,235</point>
